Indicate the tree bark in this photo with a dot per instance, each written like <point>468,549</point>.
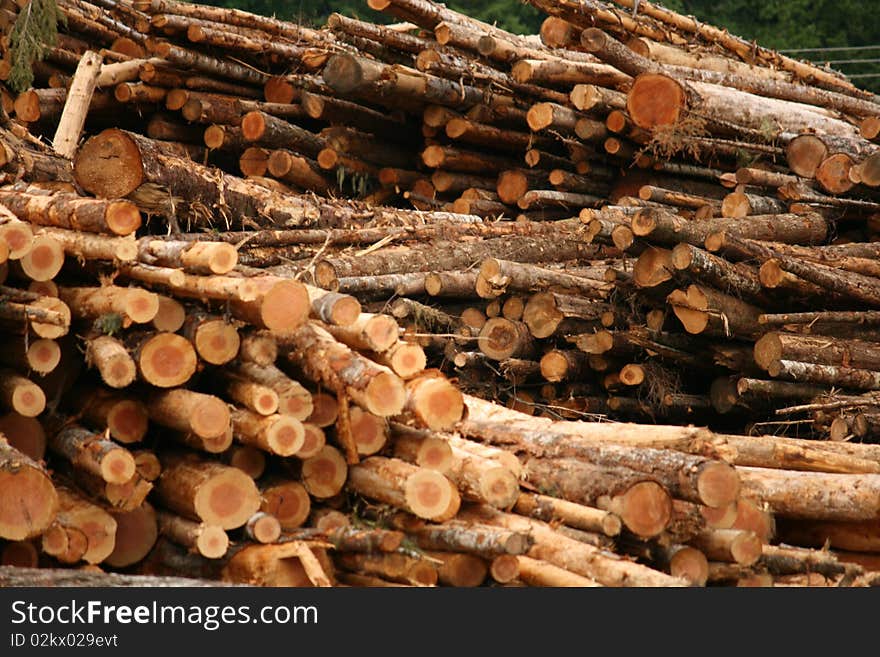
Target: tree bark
<point>813,495</point>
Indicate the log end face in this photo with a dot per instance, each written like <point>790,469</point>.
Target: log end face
<point>123,218</point>
<point>136,533</point>
<point>228,499</point>
<point>109,165</point>
<point>718,484</point>
<point>370,431</point>
<point>171,315</point>
<point>768,349</point>
<point>435,454</point>
<point>289,502</point>
<point>253,126</point>
<point>437,403</point>
<point>381,331</point>
<point>210,417</point>
<point>44,260</point>
<point>212,542</point>
<point>314,440</point>
<point>343,73</point>
<point>804,154</point>
<point>646,509</point>
<point>430,495</point>
<point>691,565</point>
<point>655,100</point>
<point>286,436</point>
<point>28,399</point>
<point>43,355</point>
<point>593,39</point>
<point>265,529</point>
<point>217,342</point>
<point>167,360</point>
<point>408,359</point>
<point>141,306</point>
<point>285,306</point>
<point>499,487</point>
<point>29,503</point>
<point>385,395</point>
<point>539,116</point>
<point>118,466</point>
<point>746,548</point>
<point>324,475</point>
<point>833,173</point>
<point>118,371</point>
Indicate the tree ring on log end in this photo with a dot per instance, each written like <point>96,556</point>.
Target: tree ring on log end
<point>655,100</point>
<point>109,165</point>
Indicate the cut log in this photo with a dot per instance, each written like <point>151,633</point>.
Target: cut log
<point>210,541</point>
<point>574,515</point>
<point>76,514</point>
<point>253,396</point>
<point>665,227</point>
<point>187,411</point>
<point>216,341</point>
<point>31,499</point>
<point>293,398</point>
<point>424,493</point>
<point>112,360</point>
<point>211,492</point>
<point>457,569</point>
<point>709,482</point>
<point>325,474</point>
<point>263,528</point>
<point>568,553</point>
<point>76,106</point>
<point>133,304</point>
<point>392,567</point>
<point>136,533</point>
<point>165,360</point>
<point>732,545</point>
<point>171,315</point>
<point>433,402</point>
<point>704,310</point>
<point>479,540</point>
<point>369,332</point>
<point>501,339</point>
<point>326,361</point>
<point>287,501</point>
<point>643,505</point>
<point>370,432</point>
<point>93,453</point>
<point>773,347</point>
<point>278,434</point>
<point>20,395</point>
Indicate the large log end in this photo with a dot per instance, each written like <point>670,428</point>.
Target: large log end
<point>655,100</point>
<point>109,165</point>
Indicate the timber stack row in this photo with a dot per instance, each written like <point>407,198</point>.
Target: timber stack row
<point>432,303</point>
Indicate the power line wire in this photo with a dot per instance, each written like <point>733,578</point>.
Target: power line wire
<point>853,61</point>
<point>831,49</point>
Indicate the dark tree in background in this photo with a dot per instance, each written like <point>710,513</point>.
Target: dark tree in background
<point>781,24</point>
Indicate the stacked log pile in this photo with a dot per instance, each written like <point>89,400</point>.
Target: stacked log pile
<point>436,304</point>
